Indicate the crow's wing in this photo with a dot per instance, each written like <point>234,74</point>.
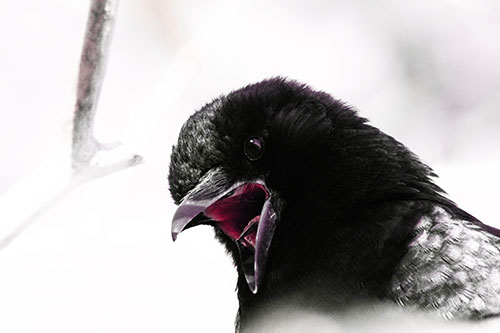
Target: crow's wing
<point>452,266</point>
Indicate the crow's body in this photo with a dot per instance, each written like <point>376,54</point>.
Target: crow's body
<point>349,215</point>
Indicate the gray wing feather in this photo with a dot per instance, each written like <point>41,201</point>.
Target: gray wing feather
<point>452,267</point>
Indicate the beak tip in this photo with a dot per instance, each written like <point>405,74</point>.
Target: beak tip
<point>174,235</point>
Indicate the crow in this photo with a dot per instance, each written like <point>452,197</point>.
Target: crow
<point>322,211</point>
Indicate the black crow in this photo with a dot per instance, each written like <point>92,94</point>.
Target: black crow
<point>322,211</point>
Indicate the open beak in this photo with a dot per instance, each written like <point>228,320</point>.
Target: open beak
<point>243,211</point>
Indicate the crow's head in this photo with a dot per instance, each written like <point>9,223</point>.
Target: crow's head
<point>292,180</point>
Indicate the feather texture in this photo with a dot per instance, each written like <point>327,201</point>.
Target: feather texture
<point>452,266</point>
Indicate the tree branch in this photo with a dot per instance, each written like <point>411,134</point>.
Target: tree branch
<point>93,61</point>
<point>42,190</point>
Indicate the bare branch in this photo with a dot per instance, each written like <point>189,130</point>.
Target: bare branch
<point>95,51</point>
<point>86,163</point>
<point>93,61</point>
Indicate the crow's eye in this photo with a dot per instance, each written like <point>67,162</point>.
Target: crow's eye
<point>254,148</point>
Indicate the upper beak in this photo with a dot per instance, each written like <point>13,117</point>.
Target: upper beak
<point>242,210</point>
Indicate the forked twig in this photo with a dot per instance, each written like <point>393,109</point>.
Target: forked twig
<point>85,162</point>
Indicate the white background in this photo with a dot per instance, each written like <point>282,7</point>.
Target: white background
<point>101,259</point>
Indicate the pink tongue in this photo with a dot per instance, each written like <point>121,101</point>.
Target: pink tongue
<point>249,234</point>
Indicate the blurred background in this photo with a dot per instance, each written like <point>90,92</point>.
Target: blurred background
<point>101,259</point>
